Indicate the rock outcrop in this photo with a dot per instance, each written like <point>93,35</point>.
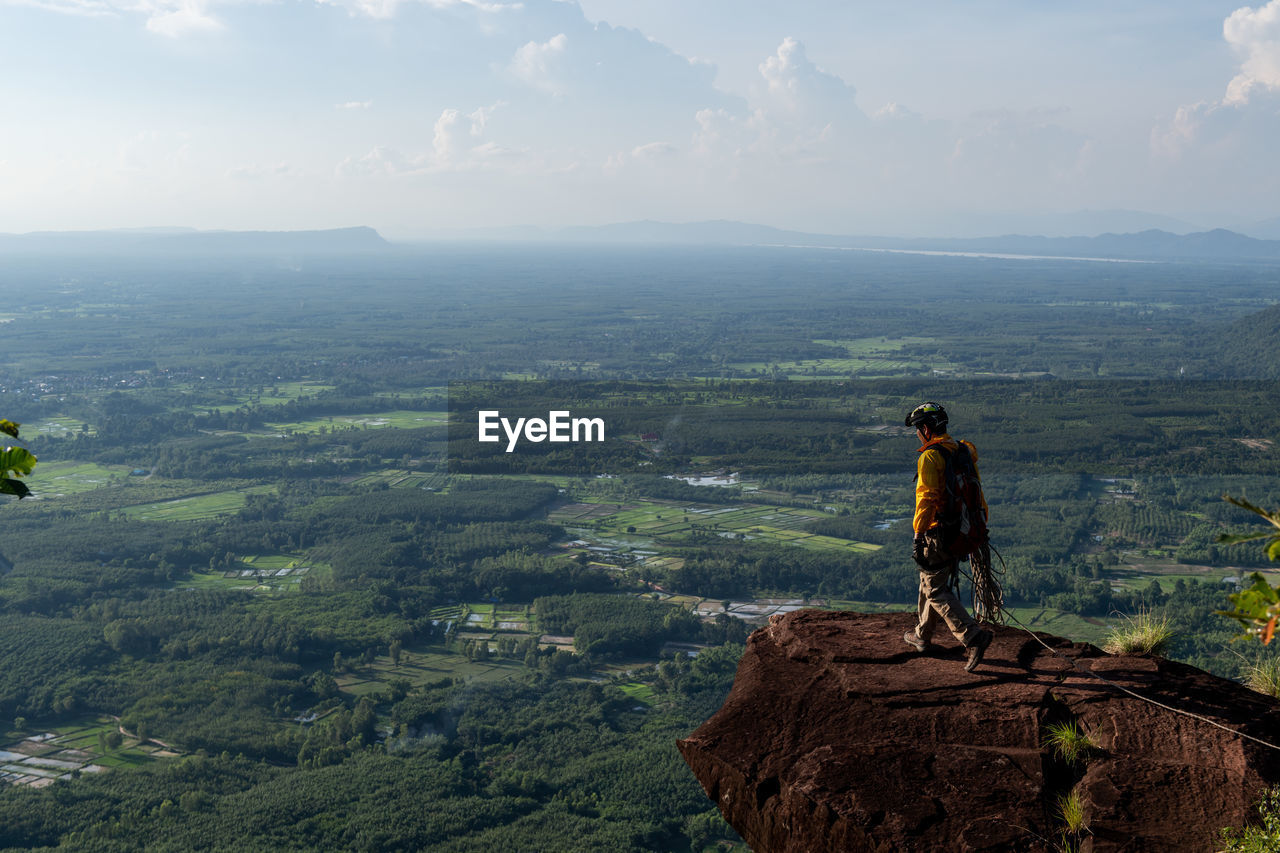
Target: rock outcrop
<point>839,736</point>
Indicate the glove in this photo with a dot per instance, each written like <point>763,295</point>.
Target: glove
<point>917,551</point>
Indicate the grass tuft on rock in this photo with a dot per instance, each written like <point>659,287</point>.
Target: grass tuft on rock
<point>1071,810</point>
<point>1264,676</point>
<point>1145,633</point>
<point>1068,741</point>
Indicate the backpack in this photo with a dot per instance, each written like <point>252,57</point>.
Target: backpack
<point>962,522</point>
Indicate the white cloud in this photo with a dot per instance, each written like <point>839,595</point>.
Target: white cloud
<point>381,160</point>
<point>539,64</point>
<point>1179,134</point>
<point>455,138</point>
<point>67,7</point>
<point>178,18</point>
<point>182,18</point>
<point>1224,152</point>
<point>172,18</point>
<point>1255,34</point>
<point>153,153</point>
<point>653,151</point>
<point>796,87</point>
<point>650,153</point>
<point>896,112</point>
<point>798,114</point>
<point>256,172</point>
<point>457,145</point>
<point>353,105</point>
<point>385,9</point>
<point>480,118</point>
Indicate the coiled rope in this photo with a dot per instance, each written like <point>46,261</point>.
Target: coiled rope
<point>988,596</point>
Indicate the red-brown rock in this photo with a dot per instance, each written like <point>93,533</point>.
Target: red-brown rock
<point>839,736</point>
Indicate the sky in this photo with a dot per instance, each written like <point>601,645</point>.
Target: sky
<point>421,117</point>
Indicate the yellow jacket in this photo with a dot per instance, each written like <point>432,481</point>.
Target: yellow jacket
<point>931,490</point>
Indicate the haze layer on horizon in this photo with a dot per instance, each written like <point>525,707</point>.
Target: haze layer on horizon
<point>421,116</point>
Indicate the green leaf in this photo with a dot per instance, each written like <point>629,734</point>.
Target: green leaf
<point>14,487</point>
<point>1233,538</point>
<point>1273,550</point>
<point>1262,590</point>
<point>17,460</point>
<point>1274,518</point>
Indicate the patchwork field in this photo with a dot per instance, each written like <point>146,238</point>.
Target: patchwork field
<point>59,427</point>
<point>400,478</point>
<point>39,758</point>
<point>866,357</point>
<point>1137,572</point>
<point>405,419</point>
<point>274,395</point>
<point>258,573</point>
<point>58,479</point>
<point>196,507</point>
<point>657,519</point>
<point>419,666</point>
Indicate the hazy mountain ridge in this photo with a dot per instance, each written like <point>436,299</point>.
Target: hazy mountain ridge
<point>1151,244</point>
<point>1218,244</point>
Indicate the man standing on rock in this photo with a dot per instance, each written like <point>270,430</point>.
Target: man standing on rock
<point>937,565</point>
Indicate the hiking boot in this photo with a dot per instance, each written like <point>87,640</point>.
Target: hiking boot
<point>978,648</point>
<point>911,639</point>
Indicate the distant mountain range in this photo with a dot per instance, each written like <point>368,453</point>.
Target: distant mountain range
<point>1218,244</point>
<point>1152,244</point>
<point>188,241</point>
<point>1268,229</point>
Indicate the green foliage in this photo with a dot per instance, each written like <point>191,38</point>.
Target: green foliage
<point>563,766</point>
<point>1068,741</point>
<point>15,462</point>
<point>1257,608</point>
<point>1144,633</point>
<point>45,663</point>
<point>1273,518</point>
<point>612,625</point>
<point>1263,837</point>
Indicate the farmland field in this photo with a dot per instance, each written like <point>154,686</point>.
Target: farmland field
<point>57,479</point>
<point>402,479</point>
<point>273,395</point>
<point>403,419</point>
<point>744,522</point>
<point>425,665</point>
<point>196,507</point>
<point>258,573</point>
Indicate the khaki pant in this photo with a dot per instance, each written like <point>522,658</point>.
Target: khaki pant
<point>937,602</point>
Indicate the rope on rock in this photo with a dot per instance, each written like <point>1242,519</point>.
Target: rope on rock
<point>1138,696</point>
<point>988,606</point>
